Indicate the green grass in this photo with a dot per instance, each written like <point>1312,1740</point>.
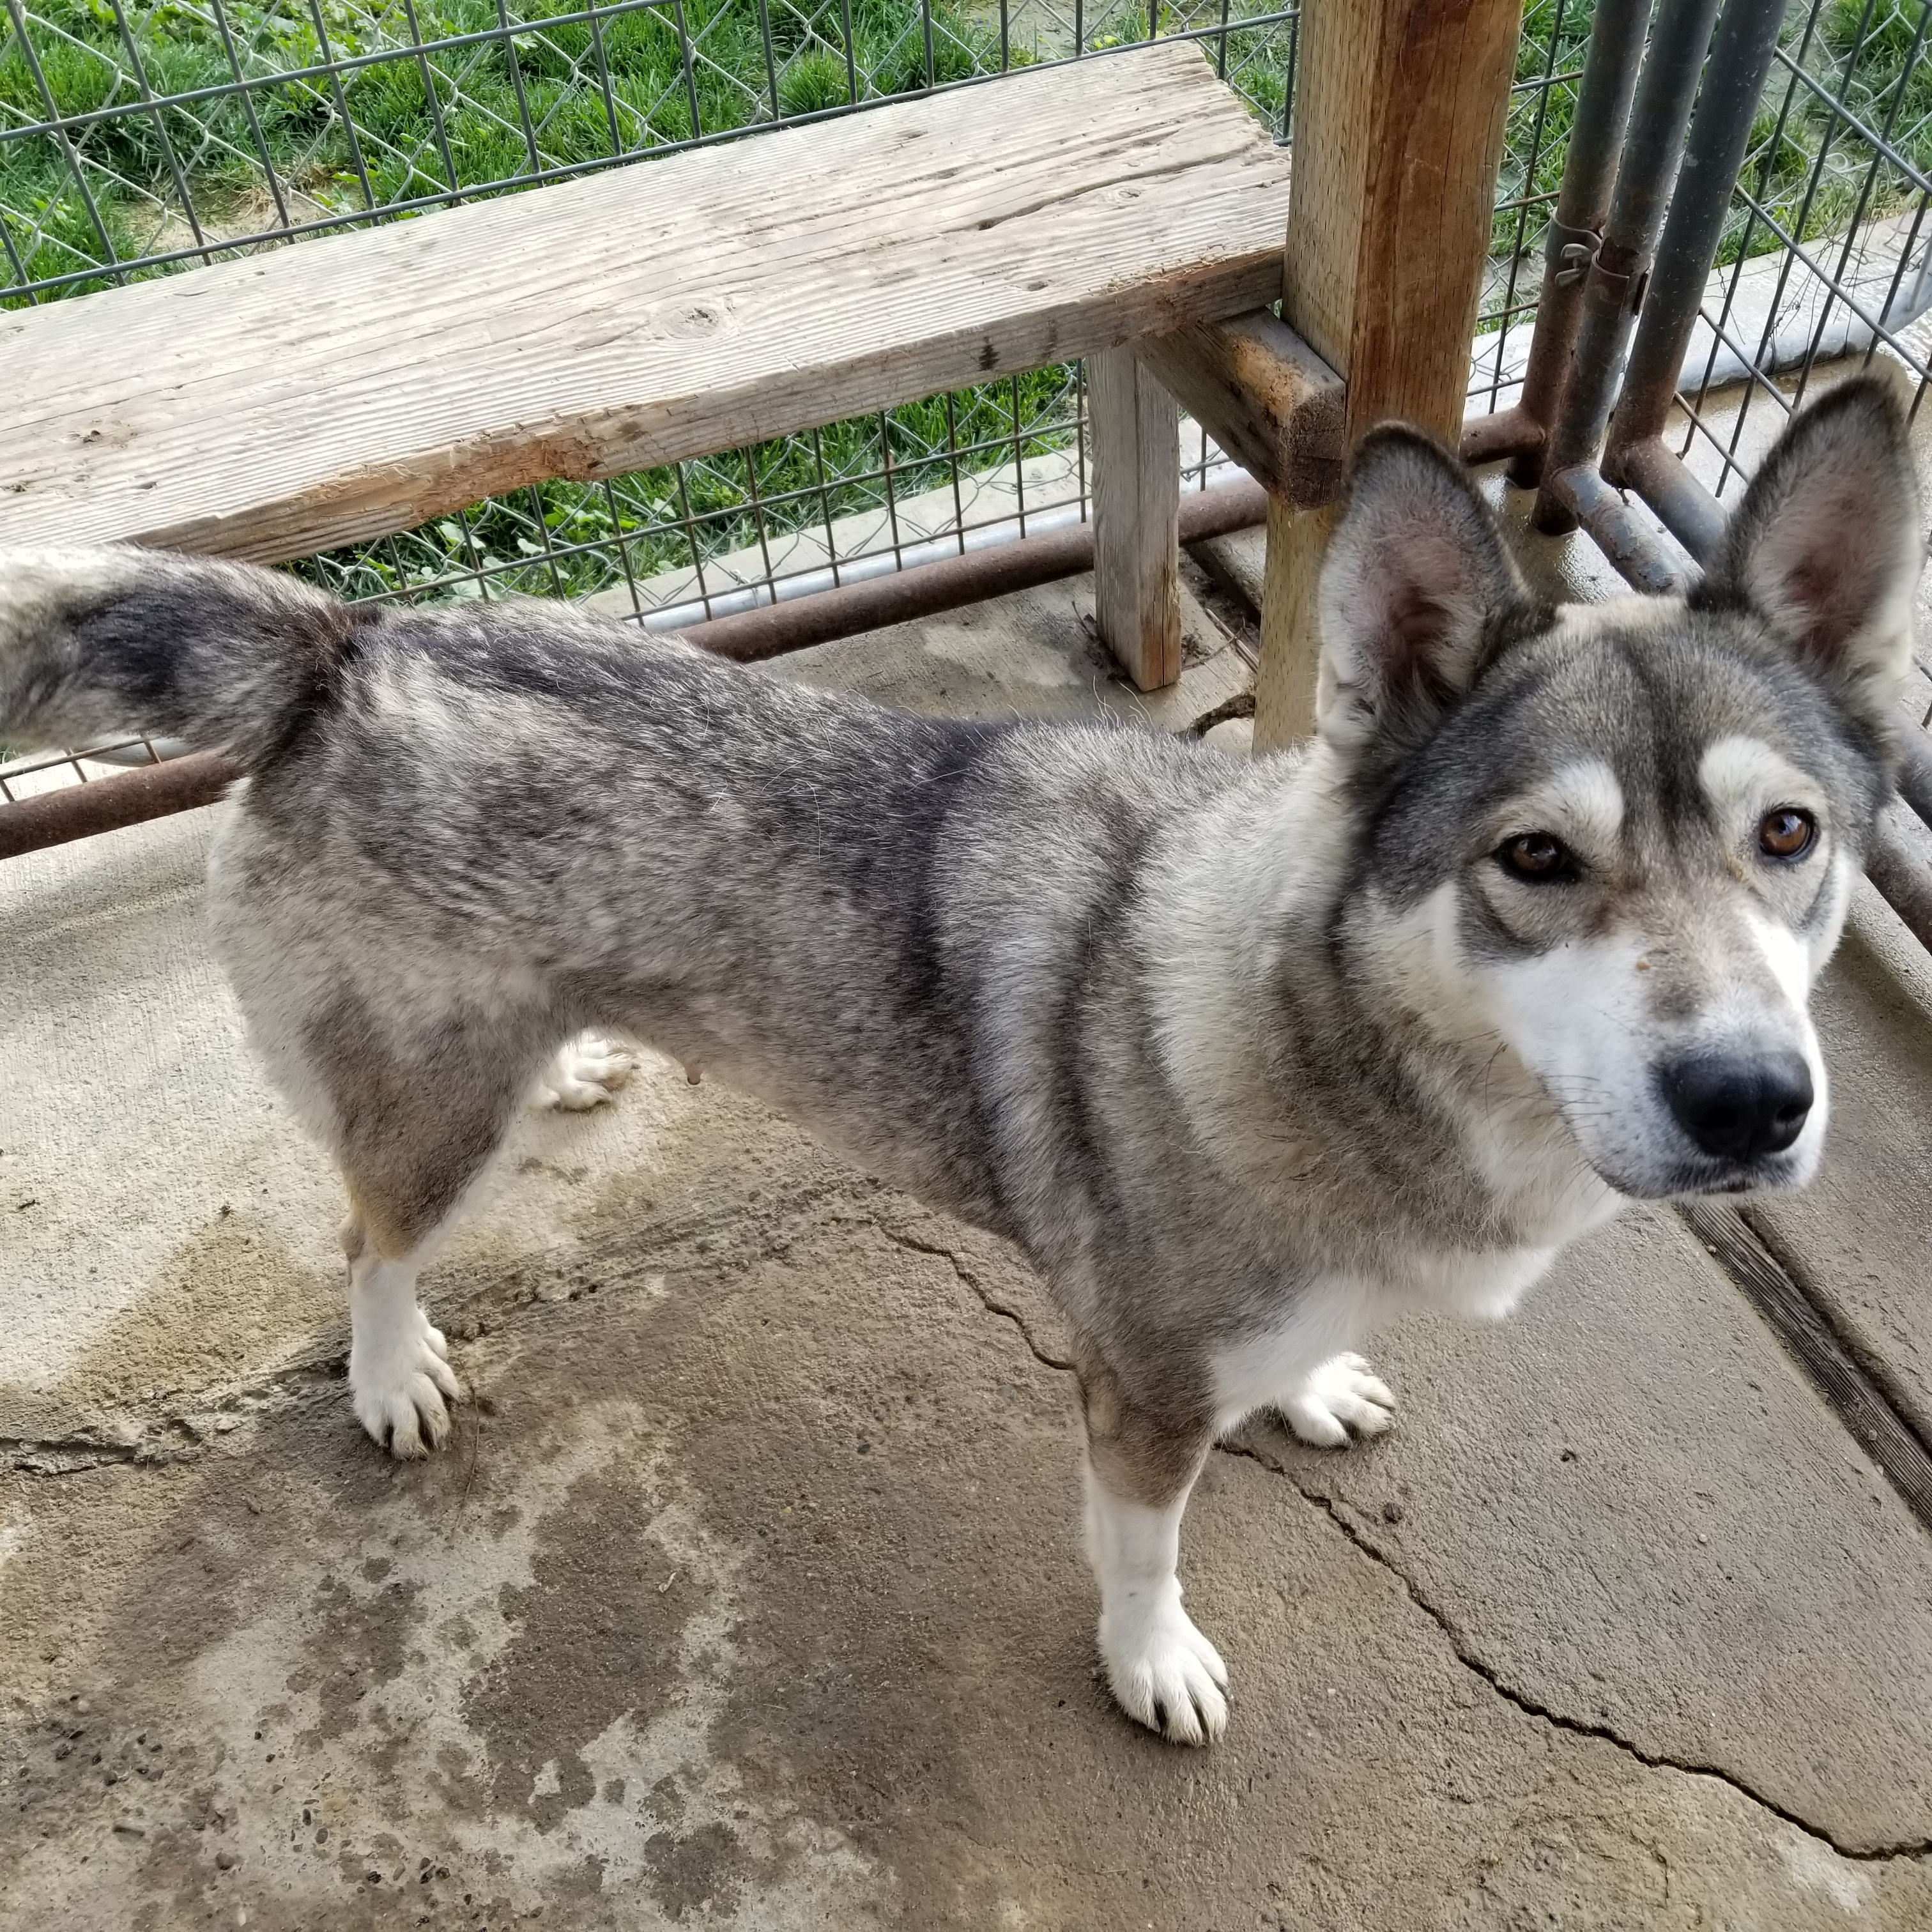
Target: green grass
<point>560,94</point>
<point>569,538</point>
<point>1883,68</point>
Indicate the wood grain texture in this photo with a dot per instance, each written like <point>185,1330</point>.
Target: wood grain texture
<point>343,389</point>
<point>1398,134</point>
<point>1399,131</point>
<point>1284,678</point>
<point>1264,395</point>
<point>1134,438</point>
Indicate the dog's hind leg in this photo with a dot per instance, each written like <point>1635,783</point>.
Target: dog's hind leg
<point>417,1115</point>
<point>584,1073</point>
<point>1141,1466</point>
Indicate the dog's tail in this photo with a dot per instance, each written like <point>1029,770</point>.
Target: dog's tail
<point>97,642</point>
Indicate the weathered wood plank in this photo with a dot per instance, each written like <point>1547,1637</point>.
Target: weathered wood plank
<point>1399,130</point>
<point>1264,395</point>
<point>345,388</point>
<point>1135,439</point>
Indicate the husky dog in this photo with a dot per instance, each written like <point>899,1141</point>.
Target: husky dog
<point>1245,1057</point>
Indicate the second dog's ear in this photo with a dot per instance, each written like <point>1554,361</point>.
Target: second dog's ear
<point>1416,572</point>
<point>1825,546</point>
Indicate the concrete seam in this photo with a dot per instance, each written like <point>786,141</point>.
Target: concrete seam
<point>981,1295</point>
<point>1881,1855</point>
<point>1857,1389</point>
<point>1458,1645</point>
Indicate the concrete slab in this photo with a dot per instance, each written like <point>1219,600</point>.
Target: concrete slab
<point>751,1593</point>
<point>753,1597</point>
<point>1630,1509</point>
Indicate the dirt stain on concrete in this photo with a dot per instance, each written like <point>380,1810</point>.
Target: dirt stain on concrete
<point>597,1631</point>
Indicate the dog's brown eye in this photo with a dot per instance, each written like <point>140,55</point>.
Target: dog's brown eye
<point>1537,857</point>
<point>1786,833</point>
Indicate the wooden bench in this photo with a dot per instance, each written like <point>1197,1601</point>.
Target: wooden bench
<point>348,389</point>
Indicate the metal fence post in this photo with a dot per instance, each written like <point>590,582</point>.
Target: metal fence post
<point>1575,233</point>
<point>1741,56</point>
<point>1614,289</point>
<point>1398,137</point>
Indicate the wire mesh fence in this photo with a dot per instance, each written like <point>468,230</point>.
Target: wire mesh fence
<point>137,140</point>
<point>1828,251</point>
<point>140,140</point>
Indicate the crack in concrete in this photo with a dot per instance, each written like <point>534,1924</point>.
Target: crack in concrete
<point>1459,1647</point>
<point>981,1294</point>
<point>62,1456</point>
<point>1523,1702</point>
<point>160,1433</point>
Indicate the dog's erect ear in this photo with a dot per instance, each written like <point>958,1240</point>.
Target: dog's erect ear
<point>1417,571</point>
<point>1825,546</point>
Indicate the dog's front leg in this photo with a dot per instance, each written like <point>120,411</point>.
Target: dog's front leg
<point>1141,1466</point>
<point>1340,1396</point>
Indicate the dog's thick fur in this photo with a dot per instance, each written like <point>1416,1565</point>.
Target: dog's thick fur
<point>1244,1057</point>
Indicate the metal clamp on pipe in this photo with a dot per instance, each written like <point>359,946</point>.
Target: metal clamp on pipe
<point>1570,253</point>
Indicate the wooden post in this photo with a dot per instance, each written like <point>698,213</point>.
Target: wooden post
<point>1398,135</point>
<point>1134,437</point>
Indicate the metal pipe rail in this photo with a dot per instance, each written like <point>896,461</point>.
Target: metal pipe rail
<point>1576,231</point>
<point>1741,56</point>
<point>1613,290</point>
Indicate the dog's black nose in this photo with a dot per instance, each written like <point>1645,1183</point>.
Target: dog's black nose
<point>1739,1106</point>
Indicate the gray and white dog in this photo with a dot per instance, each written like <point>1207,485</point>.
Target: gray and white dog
<point>1245,1057</point>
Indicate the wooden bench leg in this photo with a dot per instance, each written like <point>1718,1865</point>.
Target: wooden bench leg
<point>1399,116</point>
<point>1291,651</point>
<point>1134,438</point>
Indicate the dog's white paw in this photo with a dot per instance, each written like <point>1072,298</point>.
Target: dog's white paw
<point>1343,1394</point>
<point>585,1073</point>
<point>1164,1671</point>
<point>401,1382</point>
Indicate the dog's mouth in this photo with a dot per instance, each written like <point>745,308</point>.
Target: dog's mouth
<point>1697,1173</point>
<point>1780,1172</point>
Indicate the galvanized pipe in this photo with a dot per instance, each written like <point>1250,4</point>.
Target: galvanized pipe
<point>1617,529</point>
<point>1903,880</point>
<point>1742,52</point>
<point>1614,289</point>
<point>1684,506</point>
<point>1576,233</point>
